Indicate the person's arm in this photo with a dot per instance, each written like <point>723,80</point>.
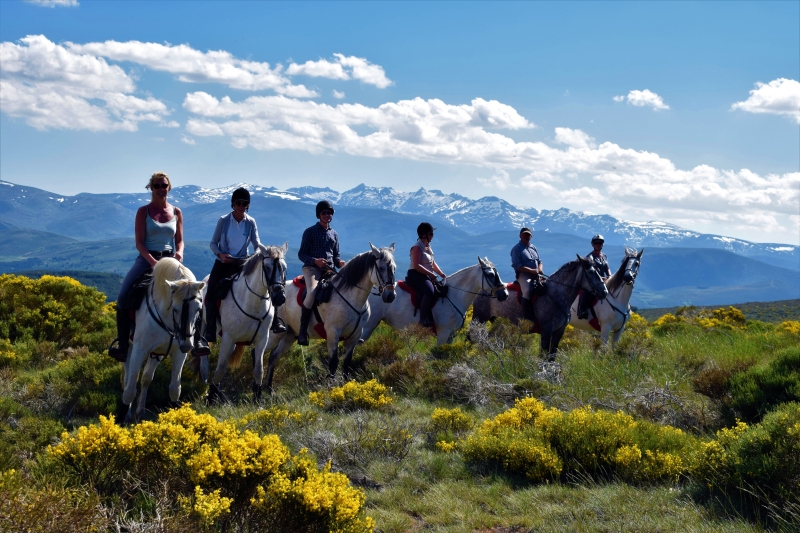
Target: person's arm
<point>303,253</point>
<point>337,259</point>
<point>140,228</point>
<point>438,270</point>
<point>178,236</point>
<point>254,236</point>
<point>214,244</point>
<point>416,255</point>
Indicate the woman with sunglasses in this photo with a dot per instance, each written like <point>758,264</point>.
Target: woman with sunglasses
<point>422,274</point>
<point>232,236</point>
<point>159,233</point>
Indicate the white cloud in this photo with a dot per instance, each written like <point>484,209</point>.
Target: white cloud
<point>343,68</point>
<point>170,124</point>
<point>337,94</point>
<point>574,138</point>
<point>54,3</point>
<point>52,87</point>
<point>778,97</point>
<point>645,98</point>
<point>192,65</point>
<point>188,140</point>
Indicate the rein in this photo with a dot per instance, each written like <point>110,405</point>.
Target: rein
<point>484,277</point>
<point>263,298</point>
<point>173,334</point>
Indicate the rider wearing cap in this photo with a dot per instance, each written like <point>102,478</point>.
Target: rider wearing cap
<point>319,252</point>
<point>232,236</point>
<point>422,274</point>
<point>600,263</point>
<point>527,266</point>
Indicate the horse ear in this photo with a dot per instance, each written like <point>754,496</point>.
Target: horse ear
<point>391,247</point>
<point>199,286</point>
<point>285,247</point>
<point>480,261</point>
<point>375,251</point>
<point>173,286</point>
<point>639,256</point>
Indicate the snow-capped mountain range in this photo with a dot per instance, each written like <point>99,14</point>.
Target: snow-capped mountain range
<point>484,215</point>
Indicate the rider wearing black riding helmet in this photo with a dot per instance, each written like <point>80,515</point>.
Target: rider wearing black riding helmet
<point>422,274</point>
<point>600,262</point>
<point>235,232</point>
<point>319,252</point>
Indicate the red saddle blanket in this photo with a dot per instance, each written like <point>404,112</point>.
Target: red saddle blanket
<point>514,286</point>
<point>592,315</point>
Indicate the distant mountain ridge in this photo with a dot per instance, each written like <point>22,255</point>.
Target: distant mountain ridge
<point>112,214</point>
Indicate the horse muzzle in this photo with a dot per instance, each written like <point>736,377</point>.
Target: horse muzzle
<point>502,296</point>
<point>628,278</point>
<point>278,297</point>
<point>388,295</point>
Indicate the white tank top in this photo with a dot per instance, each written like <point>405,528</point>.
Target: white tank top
<point>160,236</point>
<point>426,257</point>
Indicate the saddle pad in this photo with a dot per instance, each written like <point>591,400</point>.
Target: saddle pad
<point>592,301</point>
<point>514,286</point>
<point>413,292</point>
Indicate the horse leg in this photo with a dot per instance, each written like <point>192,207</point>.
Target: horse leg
<point>147,378</point>
<point>226,348</point>
<point>281,346</point>
<point>333,354</point>
<point>132,366</point>
<point>617,335</point>
<point>258,366</point>
<point>605,330</point>
<point>555,339</point>
<point>347,363</point>
<point>178,360</point>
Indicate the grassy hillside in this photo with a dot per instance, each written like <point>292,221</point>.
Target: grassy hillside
<point>774,312</point>
<point>478,436</point>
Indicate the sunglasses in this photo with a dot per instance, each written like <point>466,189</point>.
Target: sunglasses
<point>157,186</point>
<point>326,212</point>
<point>241,203</point>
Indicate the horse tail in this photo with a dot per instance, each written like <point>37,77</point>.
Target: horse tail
<point>236,357</point>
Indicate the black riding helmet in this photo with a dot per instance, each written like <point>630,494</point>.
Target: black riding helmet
<point>598,238</point>
<point>424,229</point>
<point>240,194</point>
<point>324,204</point>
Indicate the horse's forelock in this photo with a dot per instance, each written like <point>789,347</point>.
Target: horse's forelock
<point>169,269</point>
<point>275,252</point>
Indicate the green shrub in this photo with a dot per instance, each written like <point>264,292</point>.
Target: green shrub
<point>55,309</point>
<point>753,468</point>
<point>758,390</point>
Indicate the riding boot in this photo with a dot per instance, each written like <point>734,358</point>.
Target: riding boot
<point>425,314</point>
<point>120,352</point>
<point>583,309</point>
<point>278,325</point>
<point>305,318</point>
<point>527,310</point>
<point>211,321</point>
<point>200,344</point>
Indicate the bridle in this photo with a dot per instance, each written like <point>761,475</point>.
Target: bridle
<point>178,331</point>
<point>494,283</point>
<point>270,283</point>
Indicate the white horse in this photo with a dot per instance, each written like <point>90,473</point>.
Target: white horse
<point>449,313</point>
<point>246,316</point>
<point>344,315</point>
<point>612,313</point>
<point>165,325</point>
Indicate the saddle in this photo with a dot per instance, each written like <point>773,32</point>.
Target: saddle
<point>323,295</point>
<point>132,300</point>
<point>589,300</point>
<point>514,286</point>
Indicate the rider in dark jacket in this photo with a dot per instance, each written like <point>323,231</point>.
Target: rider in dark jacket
<point>600,262</point>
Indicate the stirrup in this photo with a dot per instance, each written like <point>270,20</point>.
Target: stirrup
<point>201,348</point>
<point>116,353</point>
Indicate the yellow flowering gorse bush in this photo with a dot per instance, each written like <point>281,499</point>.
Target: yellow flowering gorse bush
<point>538,442</point>
<point>730,318</point>
<point>215,468</point>
<point>790,326</point>
<point>368,395</point>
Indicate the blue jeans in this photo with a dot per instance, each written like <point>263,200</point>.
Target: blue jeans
<point>140,266</point>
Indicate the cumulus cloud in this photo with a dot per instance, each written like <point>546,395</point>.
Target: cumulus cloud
<point>194,66</point>
<point>574,138</point>
<point>343,68</point>
<point>645,98</point>
<point>188,140</point>
<point>778,97</point>
<point>337,94</point>
<point>50,86</point>
<point>54,3</point>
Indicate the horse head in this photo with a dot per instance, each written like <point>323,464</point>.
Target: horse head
<point>632,265</point>
<point>273,267</point>
<point>492,278</point>
<point>591,280</point>
<point>186,305</point>
<point>382,274</point>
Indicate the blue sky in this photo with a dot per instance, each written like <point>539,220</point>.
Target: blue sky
<point>679,111</point>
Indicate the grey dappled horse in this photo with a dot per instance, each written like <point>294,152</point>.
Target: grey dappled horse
<point>613,312</point>
<point>552,309</point>
<point>246,316</point>
<point>344,315</point>
<point>448,314</point>
<point>165,325</point>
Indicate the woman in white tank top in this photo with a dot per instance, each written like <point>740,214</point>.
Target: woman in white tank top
<point>423,272</point>
<point>159,233</point>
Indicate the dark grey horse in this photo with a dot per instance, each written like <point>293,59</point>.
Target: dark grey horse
<point>552,309</point>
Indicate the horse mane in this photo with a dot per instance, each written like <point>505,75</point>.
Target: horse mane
<point>273,252</point>
<point>358,267</point>
<point>567,267</point>
<point>170,269</point>
<point>615,281</point>
<point>459,271</point>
